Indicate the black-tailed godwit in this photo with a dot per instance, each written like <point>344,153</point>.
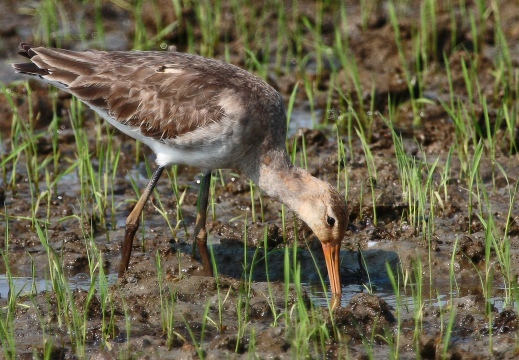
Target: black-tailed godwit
<point>199,112</point>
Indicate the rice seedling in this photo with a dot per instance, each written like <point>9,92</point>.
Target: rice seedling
<point>448,332</point>
<point>253,205</point>
<point>198,343</point>
<point>245,292</point>
<point>372,170</point>
<point>454,287</point>
<point>355,106</point>
<point>241,21</point>
<point>308,85</point>
<point>420,196</point>
<point>475,32</point>
<point>342,159</point>
<point>473,179</point>
<point>29,137</point>
<point>427,34</point>
<point>47,12</point>
<point>290,107</point>
<point>67,312</point>
<point>302,332</point>
<point>410,80</point>
<point>417,297</point>
<point>140,39</point>
<point>99,25</point>
<point>254,64</point>
<point>7,332</point>
<point>281,38</point>
<point>273,308</point>
<point>396,285</point>
<point>445,178</point>
<point>365,269</point>
<point>167,305</point>
<point>91,182</point>
<point>251,346</point>
<point>498,240</point>
<point>180,197</point>
<point>209,17</point>
<point>367,8</point>
<point>108,321</point>
<point>316,30</point>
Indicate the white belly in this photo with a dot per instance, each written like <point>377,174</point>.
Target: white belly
<point>211,147</point>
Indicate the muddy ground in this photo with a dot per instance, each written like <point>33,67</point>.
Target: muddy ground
<point>390,241</point>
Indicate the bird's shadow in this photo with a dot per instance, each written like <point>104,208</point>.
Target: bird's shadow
<point>233,259</point>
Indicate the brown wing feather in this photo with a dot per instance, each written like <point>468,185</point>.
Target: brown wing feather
<point>162,93</point>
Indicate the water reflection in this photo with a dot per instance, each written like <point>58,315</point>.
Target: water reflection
<point>24,286</point>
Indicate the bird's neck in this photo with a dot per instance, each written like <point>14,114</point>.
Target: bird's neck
<point>283,181</point>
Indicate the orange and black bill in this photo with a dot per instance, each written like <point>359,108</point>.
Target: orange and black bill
<point>331,255</point>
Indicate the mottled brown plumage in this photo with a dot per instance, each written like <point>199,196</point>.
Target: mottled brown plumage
<point>200,112</point>
<point>165,94</point>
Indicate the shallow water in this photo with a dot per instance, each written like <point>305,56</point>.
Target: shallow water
<point>28,286</point>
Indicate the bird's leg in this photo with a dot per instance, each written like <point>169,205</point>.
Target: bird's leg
<point>132,221</point>
<point>200,230</point>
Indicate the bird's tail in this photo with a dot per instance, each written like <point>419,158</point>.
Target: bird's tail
<point>55,65</point>
<point>26,50</point>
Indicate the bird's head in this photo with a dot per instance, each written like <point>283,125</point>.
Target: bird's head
<point>325,212</point>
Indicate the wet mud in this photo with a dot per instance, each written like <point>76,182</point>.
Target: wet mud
<point>249,241</point>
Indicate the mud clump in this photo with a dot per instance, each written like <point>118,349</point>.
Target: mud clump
<point>366,315</point>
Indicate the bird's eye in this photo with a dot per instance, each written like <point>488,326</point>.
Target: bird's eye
<point>330,220</point>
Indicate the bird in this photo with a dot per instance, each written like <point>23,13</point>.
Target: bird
<point>201,112</point>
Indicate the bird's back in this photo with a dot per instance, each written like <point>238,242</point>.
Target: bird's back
<point>168,98</point>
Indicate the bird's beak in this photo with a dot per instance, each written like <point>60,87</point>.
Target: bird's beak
<point>331,255</point>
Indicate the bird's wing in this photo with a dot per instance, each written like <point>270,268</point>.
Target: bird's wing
<point>163,94</point>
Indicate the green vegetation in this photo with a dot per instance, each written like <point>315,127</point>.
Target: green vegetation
<point>438,72</point>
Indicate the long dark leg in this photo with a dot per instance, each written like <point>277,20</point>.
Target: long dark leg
<point>132,221</point>
<point>201,217</point>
